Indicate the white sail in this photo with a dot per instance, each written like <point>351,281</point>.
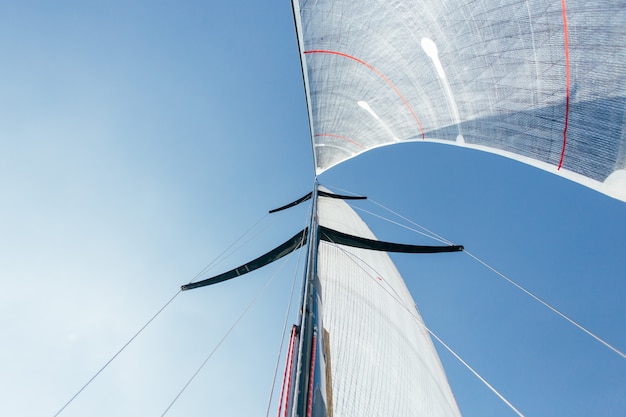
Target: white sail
<point>140,140</point>
<point>539,82</point>
<point>381,359</point>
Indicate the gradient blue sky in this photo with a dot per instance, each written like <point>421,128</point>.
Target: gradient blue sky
<point>139,139</point>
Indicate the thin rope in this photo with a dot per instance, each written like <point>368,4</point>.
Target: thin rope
<point>599,339</point>
<point>368,273</point>
<point>441,239</point>
<point>420,322</point>
<point>218,257</point>
<point>285,388</point>
<point>431,236</point>
<point>527,292</point>
<point>495,391</point>
<point>241,316</point>
<point>282,338</point>
<point>116,354</point>
<point>343,190</point>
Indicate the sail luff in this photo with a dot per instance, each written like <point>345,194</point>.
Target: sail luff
<point>297,17</point>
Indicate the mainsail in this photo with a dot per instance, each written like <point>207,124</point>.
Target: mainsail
<point>540,82</point>
<point>381,358</point>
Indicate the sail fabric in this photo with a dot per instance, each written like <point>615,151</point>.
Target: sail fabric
<point>380,356</point>
<point>538,81</point>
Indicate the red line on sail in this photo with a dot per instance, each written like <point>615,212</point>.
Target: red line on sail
<point>341,137</point>
<point>311,375</point>
<point>567,81</point>
<point>380,74</point>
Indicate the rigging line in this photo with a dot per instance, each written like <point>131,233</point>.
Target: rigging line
<point>420,322</point>
<point>441,239</point>
<point>432,235</point>
<point>564,316</point>
<point>476,374</point>
<point>249,239</point>
<point>217,258</point>
<point>354,256</point>
<point>403,226</point>
<point>116,354</point>
<point>282,338</point>
<point>518,286</point>
<point>588,332</point>
<point>241,316</point>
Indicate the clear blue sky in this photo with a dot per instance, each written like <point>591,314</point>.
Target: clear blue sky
<point>138,140</point>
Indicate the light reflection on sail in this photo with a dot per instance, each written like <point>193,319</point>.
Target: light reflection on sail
<point>528,80</point>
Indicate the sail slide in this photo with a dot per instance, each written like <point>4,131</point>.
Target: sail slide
<point>380,357</point>
<point>542,82</point>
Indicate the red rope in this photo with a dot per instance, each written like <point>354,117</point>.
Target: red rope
<point>287,374</point>
<point>311,375</point>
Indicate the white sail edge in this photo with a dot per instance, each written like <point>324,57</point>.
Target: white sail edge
<point>613,186</point>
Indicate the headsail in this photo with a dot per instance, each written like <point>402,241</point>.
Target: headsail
<point>543,83</point>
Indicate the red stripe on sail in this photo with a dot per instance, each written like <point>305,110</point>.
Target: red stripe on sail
<point>380,74</point>
<point>567,80</point>
<point>341,137</point>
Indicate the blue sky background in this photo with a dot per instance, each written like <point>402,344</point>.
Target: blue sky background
<point>139,140</point>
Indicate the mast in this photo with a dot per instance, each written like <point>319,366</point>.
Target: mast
<point>309,368</point>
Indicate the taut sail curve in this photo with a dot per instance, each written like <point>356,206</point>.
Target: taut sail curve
<point>540,82</point>
<point>380,357</point>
